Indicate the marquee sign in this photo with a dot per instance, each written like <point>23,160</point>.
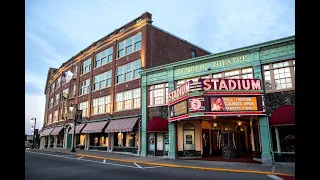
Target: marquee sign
<point>231,84</point>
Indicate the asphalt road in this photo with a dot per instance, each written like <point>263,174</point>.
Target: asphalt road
<point>57,166</point>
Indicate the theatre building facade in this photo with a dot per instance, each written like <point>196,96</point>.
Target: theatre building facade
<point>222,105</point>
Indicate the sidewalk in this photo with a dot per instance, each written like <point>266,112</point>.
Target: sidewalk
<point>192,164</point>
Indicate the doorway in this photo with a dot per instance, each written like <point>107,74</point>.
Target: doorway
<point>215,143</point>
<point>205,143</point>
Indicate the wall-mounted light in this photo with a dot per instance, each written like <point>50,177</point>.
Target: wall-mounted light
<point>215,124</point>
<point>239,123</point>
<point>239,116</point>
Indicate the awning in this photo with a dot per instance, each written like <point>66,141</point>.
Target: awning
<point>46,132</point>
<point>79,127</point>
<point>56,131</point>
<point>282,116</point>
<point>157,124</point>
<point>94,127</point>
<point>121,125</point>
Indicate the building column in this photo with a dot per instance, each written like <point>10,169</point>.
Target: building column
<point>278,140</point>
<point>265,140</point>
<point>246,137</point>
<point>143,116</point>
<point>49,142</point>
<point>172,141</point>
<point>55,141</point>
<point>252,136</point>
<point>87,145</point>
<point>110,142</point>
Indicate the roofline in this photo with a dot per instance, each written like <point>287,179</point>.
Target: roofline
<point>224,53</point>
<point>180,38</point>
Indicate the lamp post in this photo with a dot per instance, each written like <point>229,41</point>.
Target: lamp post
<point>74,130</point>
<point>34,129</point>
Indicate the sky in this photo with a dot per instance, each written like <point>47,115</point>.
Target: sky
<point>57,30</point>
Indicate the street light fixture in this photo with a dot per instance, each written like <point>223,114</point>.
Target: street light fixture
<point>34,129</point>
<point>74,129</point>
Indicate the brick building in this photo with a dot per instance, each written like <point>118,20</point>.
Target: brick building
<point>106,86</point>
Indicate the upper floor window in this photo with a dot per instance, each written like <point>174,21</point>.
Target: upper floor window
<point>158,94</point>
<point>128,99</point>
<point>49,118</point>
<point>86,66</point>
<point>129,45</point>
<point>102,80</point>
<point>104,57</point>
<point>180,82</point>
<point>55,116</point>
<point>74,90</point>
<point>193,53</point>
<point>101,105</point>
<point>279,75</point>
<point>246,73</point>
<point>84,108</point>
<point>52,87</point>
<point>75,71</point>
<point>128,71</point>
<point>56,100</point>
<point>65,94</point>
<point>51,103</point>
<point>58,82</point>
<point>85,87</point>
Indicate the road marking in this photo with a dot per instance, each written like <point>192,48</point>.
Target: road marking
<point>152,167</point>
<point>83,159</point>
<point>137,165</point>
<point>275,177</point>
<point>104,161</point>
<point>80,157</point>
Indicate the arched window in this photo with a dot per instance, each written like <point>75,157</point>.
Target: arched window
<point>228,127</point>
<point>188,137</point>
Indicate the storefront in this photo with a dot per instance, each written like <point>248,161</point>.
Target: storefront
<point>80,140</point>
<point>158,137</point>
<point>198,130</point>
<point>213,116</point>
<point>58,136</point>
<point>47,139</point>
<point>94,137</point>
<point>125,135</point>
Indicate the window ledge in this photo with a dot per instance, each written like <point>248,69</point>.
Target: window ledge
<point>157,105</point>
<point>128,81</point>
<point>128,54</point>
<point>126,110</point>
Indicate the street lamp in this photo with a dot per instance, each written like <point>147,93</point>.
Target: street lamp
<point>34,129</point>
<point>74,129</point>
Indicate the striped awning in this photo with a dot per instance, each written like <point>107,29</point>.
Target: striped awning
<point>121,125</point>
<point>94,127</point>
<point>79,128</point>
<point>46,132</point>
<point>56,131</point>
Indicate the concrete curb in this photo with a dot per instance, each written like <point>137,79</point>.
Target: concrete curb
<point>187,167</point>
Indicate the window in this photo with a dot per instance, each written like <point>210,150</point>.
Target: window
<point>129,45</point>
<point>74,90</point>
<point>55,116</point>
<point>124,100</point>
<point>86,66</point>
<point>49,119</point>
<point>180,82</point>
<point>136,98</point>
<point>85,87</point>
<point>101,105</point>
<point>246,73</point>
<point>103,57</point>
<point>84,108</point>
<point>75,71</point>
<point>56,100</point>
<point>158,94</point>
<point>128,100</point>
<point>65,94</point>
<point>128,71</point>
<point>193,53</point>
<point>51,103</point>
<point>280,75</point>
<point>58,82</point>
<point>102,80</point>
<point>52,87</point>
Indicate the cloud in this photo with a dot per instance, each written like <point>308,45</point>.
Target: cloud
<point>38,81</point>
<point>51,57</point>
<point>34,108</point>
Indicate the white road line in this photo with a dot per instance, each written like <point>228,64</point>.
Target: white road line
<point>137,165</point>
<point>152,167</point>
<point>275,177</point>
<point>80,157</point>
<point>83,159</point>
